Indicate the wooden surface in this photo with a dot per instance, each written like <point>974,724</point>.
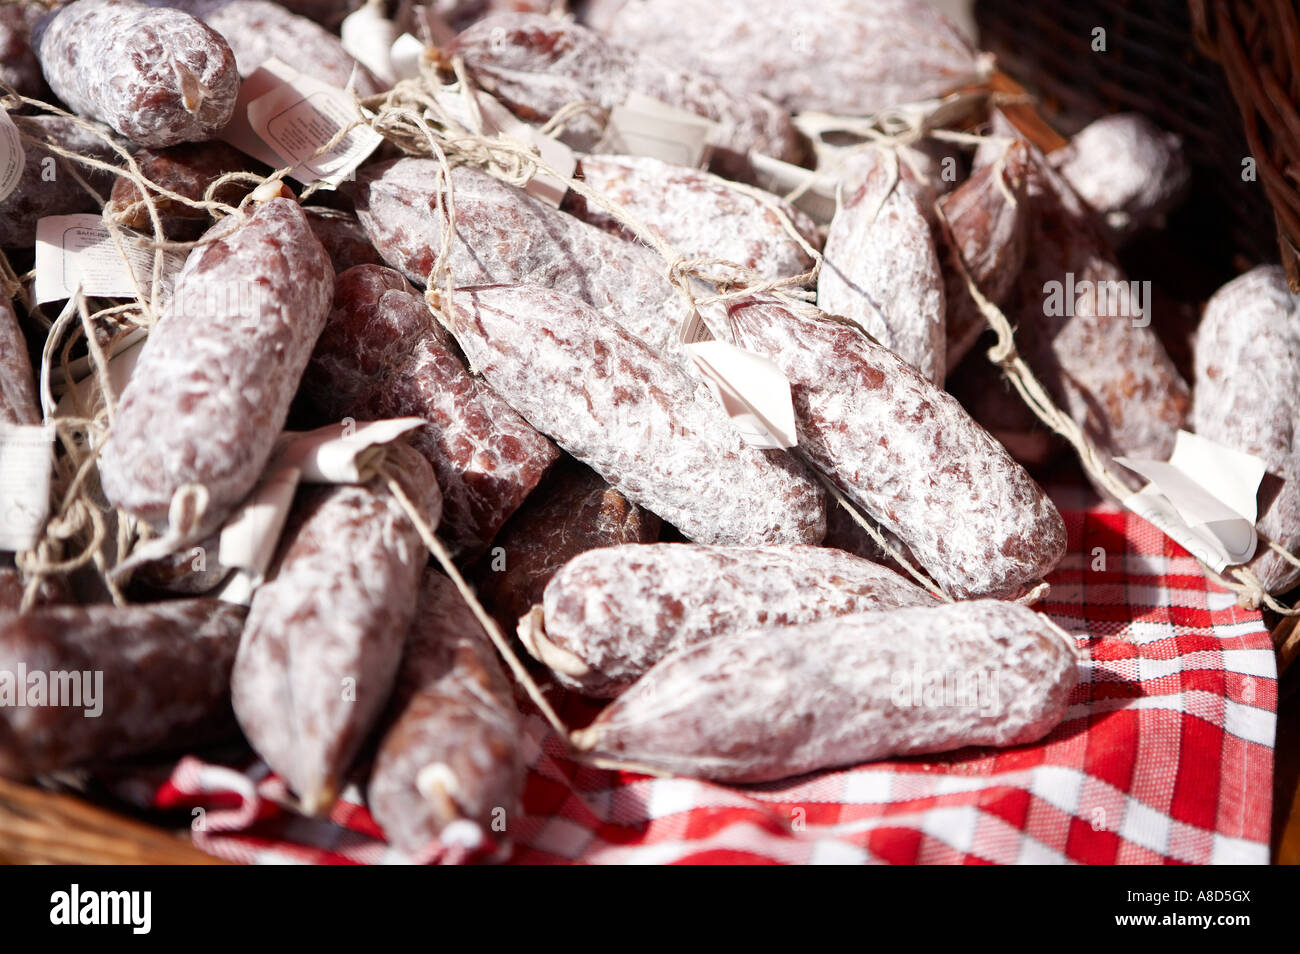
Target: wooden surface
<point>40,827</point>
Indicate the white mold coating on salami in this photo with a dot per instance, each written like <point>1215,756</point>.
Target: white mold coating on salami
<point>220,368</point>
<point>988,216</point>
<point>451,751</point>
<point>382,355</point>
<point>506,236</point>
<point>161,672</point>
<point>538,64</point>
<point>19,67</point>
<point>850,57</point>
<point>881,269</point>
<point>778,702</point>
<point>1248,397</point>
<point>157,76</point>
<point>324,636</point>
<point>1100,360</point>
<point>1127,169</point>
<point>258,30</point>
<point>697,213</point>
<point>907,453</point>
<point>18,404</point>
<point>634,418</point>
<point>619,610</point>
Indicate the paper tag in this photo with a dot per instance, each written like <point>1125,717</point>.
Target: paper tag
<point>300,116</point>
<point>1204,497</point>
<point>78,249</point>
<point>238,132</point>
<point>751,389</point>
<point>554,153</point>
<point>26,457</point>
<point>343,453</point>
<point>782,178</point>
<point>282,117</point>
<point>368,36</point>
<point>250,535</point>
<point>494,119</point>
<point>647,127</point>
<point>12,156</point>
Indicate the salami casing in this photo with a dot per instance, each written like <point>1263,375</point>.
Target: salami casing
<point>504,235</point>
<point>881,270</point>
<point>324,634</point>
<point>212,389</point>
<point>633,417</point>
<point>1127,169</point>
<point>345,241</point>
<point>187,169</point>
<point>852,57</point>
<point>450,753</point>
<point>572,511</point>
<point>157,76</point>
<point>1084,329</point>
<point>907,454</point>
<point>258,30</point>
<point>19,67</point>
<point>1247,389</point>
<point>697,213</point>
<point>383,355</point>
<point>537,64</point>
<point>118,681</point>
<point>47,185</point>
<point>611,614</point>
<point>988,216</point>
<point>18,403</point>
<point>781,701</point>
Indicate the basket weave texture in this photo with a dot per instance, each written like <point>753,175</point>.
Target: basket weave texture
<point>1162,58</point>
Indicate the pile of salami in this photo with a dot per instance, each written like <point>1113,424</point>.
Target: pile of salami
<point>750,609</point>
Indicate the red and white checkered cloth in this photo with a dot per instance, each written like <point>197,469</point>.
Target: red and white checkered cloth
<point>1166,755</point>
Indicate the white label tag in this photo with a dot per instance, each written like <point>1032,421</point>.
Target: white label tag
<point>784,178</point>
<point>1204,497</point>
<point>12,156</point>
<point>647,127</point>
<point>78,249</point>
<point>238,132</point>
<point>493,119</point>
<point>299,117</point>
<point>751,389</point>
<point>283,117</point>
<point>554,153</point>
<point>343,453</point>
<point>26,457</point>
<point>369,35</point>
<point>250,535</point>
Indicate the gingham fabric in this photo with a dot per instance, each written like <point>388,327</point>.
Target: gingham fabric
<point>1166,755</point>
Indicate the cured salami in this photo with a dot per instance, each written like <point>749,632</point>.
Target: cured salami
<point>324,634</point>
<point>611,614</point>
<point>781,701</point>
<point>633,417</point>
<point>450,755</point>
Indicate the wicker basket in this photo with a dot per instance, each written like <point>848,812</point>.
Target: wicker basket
<point>1153,64</point>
